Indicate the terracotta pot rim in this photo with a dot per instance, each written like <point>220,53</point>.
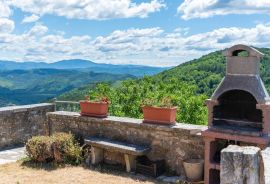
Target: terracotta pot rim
<point>92,102</point>
<point>194,161</point>
<point>156,107</point>
<point>149,121</point>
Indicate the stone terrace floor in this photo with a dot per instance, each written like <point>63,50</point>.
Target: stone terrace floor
<point>27,175</point>
<point>11,155</point>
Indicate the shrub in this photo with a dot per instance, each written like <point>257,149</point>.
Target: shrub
<point>66,149</point>
<point>60,148</point>
<point>39,148</point>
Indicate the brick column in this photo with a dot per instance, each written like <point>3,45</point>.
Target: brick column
<point>210,105</point>
<point>207,158</point>
<point>265,108</point>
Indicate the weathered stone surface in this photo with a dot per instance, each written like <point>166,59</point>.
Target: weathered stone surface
<point>117,146</point>
<point>172,143</point>
<point>19,123</point>
<point>265,166</point>
<point>176,180</point>
<point>11,155</point>
<point>172,179</point>
<point>240,165</point>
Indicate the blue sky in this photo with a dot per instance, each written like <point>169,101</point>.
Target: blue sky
<point>149,32</point>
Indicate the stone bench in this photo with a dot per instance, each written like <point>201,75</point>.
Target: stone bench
<point>130,151</point>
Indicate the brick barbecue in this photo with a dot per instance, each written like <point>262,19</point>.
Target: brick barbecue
<point>238,110</point>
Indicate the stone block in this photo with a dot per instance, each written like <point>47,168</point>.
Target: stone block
<point>240,165</point>
<point>265,164</point>
<point>96,155</point>
<point>130,161</point>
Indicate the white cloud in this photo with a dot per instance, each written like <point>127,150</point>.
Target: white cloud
<point>128,40</point>
<point>6,25</point>
<point>38,30</point>
<point>224,37</point>
<point>31,18</point>
<point>4,9</point>
<point>89,9</point>
<point>151,46</point>
<point>208,8</point>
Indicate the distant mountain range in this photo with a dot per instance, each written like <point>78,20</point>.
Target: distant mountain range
<point>34,82</point>
<point>79,64</point>
<point>39,85</point>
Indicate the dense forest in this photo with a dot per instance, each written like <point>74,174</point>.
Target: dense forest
<point>188,85</point>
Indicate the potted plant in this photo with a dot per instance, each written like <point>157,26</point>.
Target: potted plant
<point>160,111</point>
<point>97,107</point>
<point>194,169</point>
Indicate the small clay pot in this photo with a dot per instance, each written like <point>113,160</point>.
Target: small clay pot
<point>194,169</point>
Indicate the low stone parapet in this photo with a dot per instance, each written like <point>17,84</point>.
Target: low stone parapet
<point>172,143</point>
<point>19,123</point>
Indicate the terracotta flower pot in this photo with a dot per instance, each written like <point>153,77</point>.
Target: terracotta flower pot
<point>158,115</point>
<point>94,109</point>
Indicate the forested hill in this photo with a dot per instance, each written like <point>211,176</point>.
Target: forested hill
<point>188,85</point>
<point>207,71</point>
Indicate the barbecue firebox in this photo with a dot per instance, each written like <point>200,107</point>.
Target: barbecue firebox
<point>238,110</point>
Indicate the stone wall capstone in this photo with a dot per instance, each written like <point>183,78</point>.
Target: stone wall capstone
<point>19,123</point>
<point>172,143</point>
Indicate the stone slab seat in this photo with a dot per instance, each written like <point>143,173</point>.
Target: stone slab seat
<point>130,151</point>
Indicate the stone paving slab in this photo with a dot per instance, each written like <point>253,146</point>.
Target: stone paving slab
<point>11,155</point>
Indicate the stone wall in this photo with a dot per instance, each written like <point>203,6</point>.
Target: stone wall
<point>19,123</point>
<point>173,143</point>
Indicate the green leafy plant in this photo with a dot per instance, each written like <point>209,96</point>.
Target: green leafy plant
<point>165,102</point>
<point>103,99</point>
<point>101,94</point>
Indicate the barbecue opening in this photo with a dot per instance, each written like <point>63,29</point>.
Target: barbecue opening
<point>237,108</point>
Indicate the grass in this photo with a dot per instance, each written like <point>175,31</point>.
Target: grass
<point>19,173</point>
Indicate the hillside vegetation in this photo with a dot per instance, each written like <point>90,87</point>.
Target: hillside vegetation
<point>188,85</point>
<point>207,71</point>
